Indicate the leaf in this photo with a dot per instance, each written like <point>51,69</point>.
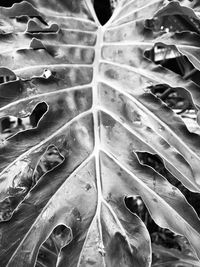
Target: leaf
<point>174,8</point>
<point>173,257</point>
<point>186,41</point>
<point>192,4</point>
<point>69,173</point>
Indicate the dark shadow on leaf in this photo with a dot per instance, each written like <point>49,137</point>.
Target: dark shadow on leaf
<point>49,251</point>
<point>10,126</point>
<point>27,180</point>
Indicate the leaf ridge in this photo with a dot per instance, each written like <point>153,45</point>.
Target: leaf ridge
<point>84,114</point>
<point>134,99</point>
<point>88,159</point>
<point>121,165</point>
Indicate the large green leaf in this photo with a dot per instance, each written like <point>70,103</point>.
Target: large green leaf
<point>75,108</point>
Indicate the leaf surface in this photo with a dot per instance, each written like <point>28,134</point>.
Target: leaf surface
<point>66,169</point>
<point>173,257</point>
<point>186,41</point>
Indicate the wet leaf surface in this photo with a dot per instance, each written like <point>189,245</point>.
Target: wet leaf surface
<point>84,89</point>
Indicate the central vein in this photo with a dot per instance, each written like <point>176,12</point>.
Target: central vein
<point>96,122</point>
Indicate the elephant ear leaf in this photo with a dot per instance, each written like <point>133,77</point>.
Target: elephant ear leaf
<point>75,108</point>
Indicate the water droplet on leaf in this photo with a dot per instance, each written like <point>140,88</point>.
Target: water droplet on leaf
<point>47,73</point>
<point>101,250</point>
<point>161,128</point>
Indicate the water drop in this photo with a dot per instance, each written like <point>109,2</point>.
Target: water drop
<point>101,250</point>
<point>161,128</point>
<point>47,73</point>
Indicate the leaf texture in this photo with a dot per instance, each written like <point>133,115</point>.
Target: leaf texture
<point>75,107</point>
<point>187,42</point>
<point>173,257</point>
